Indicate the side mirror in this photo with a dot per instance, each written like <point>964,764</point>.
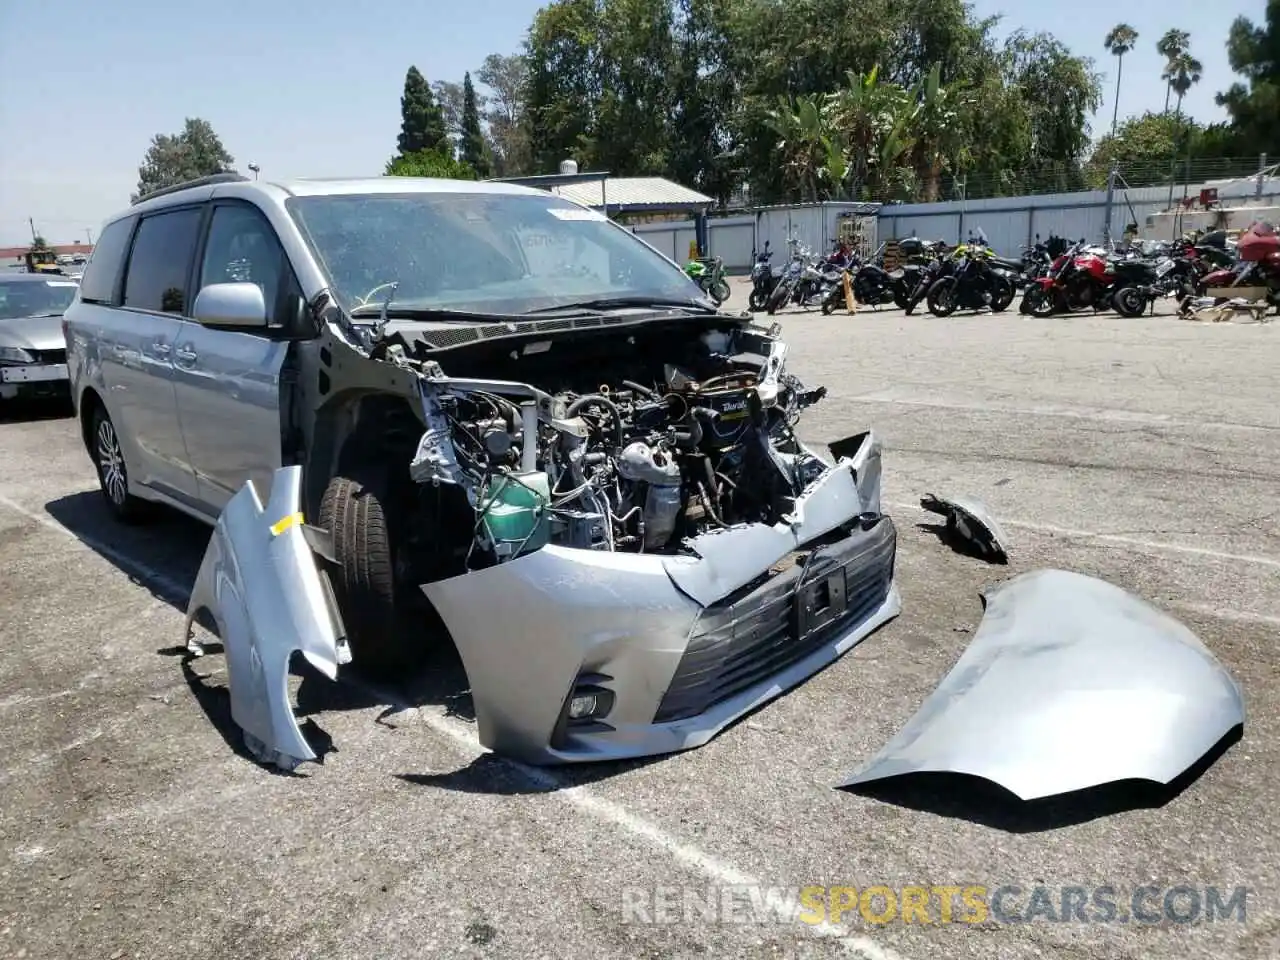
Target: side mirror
<point>230,305</point>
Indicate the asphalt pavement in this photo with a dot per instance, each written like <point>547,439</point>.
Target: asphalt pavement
<point>1141,451</point>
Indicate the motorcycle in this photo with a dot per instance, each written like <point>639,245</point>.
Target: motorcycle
<point>708,273</point>
<point>1079,278</point>
<point>806,281</point>
<point>1258,266</point>
<point>762,278</point>
<point>970,282</point>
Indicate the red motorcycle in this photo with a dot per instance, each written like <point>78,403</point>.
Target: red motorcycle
<point>1076,280</point>
<point>1259,264</point>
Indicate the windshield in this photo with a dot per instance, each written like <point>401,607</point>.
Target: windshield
<point>28,298</point>
<point>477,252</point>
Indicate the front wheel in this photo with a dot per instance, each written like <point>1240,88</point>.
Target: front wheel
<point>901,296</point>
<point>354,511</point>
<point>113,474</point>
<point>758,300</point>
<point>1038,302</point>
<point>719,291</point>
<point>941,298</point>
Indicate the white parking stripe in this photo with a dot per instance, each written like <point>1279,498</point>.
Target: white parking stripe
<point>1121,539</point>
<point>1101,414</point>
<point>464,743</point>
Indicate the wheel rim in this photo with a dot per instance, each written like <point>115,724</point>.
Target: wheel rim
<point>111,464</point>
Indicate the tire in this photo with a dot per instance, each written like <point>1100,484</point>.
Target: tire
<point>831,301</point>
<point>941,298</point>
<point>353,511</point>
<point>1038,303</point>
<point>1002,297</point>
<point>757,301</point>
<point>777,298</point>
<point>1129,302</point>
<point>113,473</point>
<point>720,291</point>
<point>901,297</point>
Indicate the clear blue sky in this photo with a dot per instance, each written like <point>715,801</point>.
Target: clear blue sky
<point>312,89</point>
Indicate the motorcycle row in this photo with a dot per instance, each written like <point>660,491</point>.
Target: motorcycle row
<point>1056,276</point>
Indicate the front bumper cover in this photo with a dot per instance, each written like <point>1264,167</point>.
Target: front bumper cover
<point>683,645</point>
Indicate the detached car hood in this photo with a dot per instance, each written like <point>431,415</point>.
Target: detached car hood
<point>1069,683</point>
<point>33,333</point>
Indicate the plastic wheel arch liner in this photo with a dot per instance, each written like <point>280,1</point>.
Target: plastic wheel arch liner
<point>260,583</point>
<point>1069,683</point>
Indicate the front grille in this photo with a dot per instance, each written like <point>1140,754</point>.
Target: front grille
<point>740,643</point>
<point>49,356</point>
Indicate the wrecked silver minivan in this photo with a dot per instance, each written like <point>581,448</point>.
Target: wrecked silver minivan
<point>491,409</point>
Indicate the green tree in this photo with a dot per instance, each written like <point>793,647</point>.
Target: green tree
<point>449,96</point>
<point>1254,53</point>
<point>1057,92</point>
<point>1141,147</point>
<point>428,163</point>
<point>422,125</point>
<point>506,78</point>
<point>1184,72</point>
<point>39,244</point>
<point>472,146</point>
<point>563,87</point>
<point>174,158</point>
<point>703,93</point>
<point>1173,44</point>
<point>1119,41</point>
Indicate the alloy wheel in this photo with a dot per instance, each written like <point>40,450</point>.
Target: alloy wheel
<point>111,464</point>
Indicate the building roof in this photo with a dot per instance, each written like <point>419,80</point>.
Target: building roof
<point>638,194</point>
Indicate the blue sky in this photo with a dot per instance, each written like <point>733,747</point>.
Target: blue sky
<point>312,89</point>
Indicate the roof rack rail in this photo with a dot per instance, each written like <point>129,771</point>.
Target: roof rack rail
<point>229,176</point>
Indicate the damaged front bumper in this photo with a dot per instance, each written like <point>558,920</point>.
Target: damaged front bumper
<point>571,654</point>
<point>577,655</point>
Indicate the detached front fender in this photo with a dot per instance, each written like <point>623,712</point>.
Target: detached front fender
<point>260,584</point>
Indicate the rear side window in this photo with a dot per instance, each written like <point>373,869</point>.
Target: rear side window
<point>161,261</point>
<point>103,269</point>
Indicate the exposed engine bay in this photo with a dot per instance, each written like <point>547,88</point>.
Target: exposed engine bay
<point>665,440</point>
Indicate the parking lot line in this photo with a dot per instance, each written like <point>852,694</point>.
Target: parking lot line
<point>1102,414</point>
<point>1122,540</point>
<point>462,741</point>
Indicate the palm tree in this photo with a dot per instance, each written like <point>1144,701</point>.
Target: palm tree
<point>1173,44</point>
<point>1184,71</point>
<point>1119,42</point>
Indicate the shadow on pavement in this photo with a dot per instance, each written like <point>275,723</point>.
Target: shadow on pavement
<point>492,774</point>
<point>980,801</point>
<point>27,410</point>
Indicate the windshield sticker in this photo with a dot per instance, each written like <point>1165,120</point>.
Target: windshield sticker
<point>575,213</point>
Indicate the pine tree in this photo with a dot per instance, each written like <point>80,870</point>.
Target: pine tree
<point>421,121</point>
<point>472,147</point>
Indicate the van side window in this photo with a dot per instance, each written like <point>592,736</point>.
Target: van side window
<point>243,247</point>
<point>102,272</point>
<point>161,257</point>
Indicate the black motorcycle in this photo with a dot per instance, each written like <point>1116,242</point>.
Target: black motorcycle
<point>969,282</point>
<point>762,278</point>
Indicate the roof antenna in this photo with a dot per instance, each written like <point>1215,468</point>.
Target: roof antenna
<point>382,316</point>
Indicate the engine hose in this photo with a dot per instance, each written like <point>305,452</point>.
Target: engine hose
<point>605,402</point>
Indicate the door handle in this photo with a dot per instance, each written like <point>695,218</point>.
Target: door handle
<point>186,355</point>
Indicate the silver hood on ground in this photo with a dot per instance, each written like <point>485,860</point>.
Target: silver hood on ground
<point>1069,683</point>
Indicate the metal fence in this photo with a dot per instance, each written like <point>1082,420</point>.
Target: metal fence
<point>1010,223</point>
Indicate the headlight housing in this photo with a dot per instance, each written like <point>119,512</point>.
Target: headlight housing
<point>15,355</point>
